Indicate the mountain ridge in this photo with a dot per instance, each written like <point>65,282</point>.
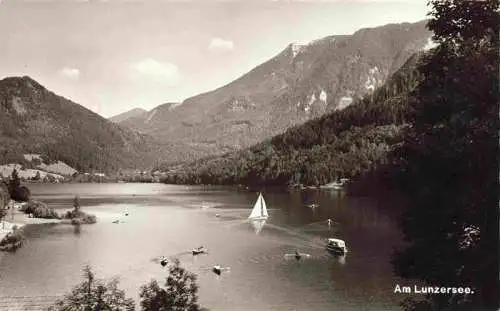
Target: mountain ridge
<point>300,83</point>
<point>343,143</point>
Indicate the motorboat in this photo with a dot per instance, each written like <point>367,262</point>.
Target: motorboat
<point>336,246</point>
<point>337,185</point>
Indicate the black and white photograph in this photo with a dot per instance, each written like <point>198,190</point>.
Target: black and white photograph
<point>249,155</point>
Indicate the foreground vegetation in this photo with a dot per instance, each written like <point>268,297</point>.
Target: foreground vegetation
<point>179,293</point>
<point>448,163</point>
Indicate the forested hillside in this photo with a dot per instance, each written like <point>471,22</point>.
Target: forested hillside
<point>34,120</point>
<point>344,143</point>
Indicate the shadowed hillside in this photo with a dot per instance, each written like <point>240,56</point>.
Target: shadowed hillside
<point>34,120</point>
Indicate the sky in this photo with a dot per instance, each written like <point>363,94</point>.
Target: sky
<point>114,55</point>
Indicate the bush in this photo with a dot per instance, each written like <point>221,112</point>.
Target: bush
<point>40,210</point>
<point>74,214</point>
<point>78,217</point>
<point>12,241</point>
<point>89,219</point>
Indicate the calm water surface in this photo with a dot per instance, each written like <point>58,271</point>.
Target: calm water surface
<point>169,220</point>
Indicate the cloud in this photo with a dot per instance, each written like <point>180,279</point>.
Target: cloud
<point>71,73</point>
<point>166,72</point>
<point>218,44</point>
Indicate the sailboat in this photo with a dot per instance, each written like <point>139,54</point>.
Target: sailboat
<point>259,211</point>
<point>259,215</point>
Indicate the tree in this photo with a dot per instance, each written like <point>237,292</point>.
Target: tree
<point>14,182</point>
<point>16,191</point>
<point>76,204</point>
<point>4,195</point>
<point>21,194</point>
<point>4,201</point>
<point>447,157</point>
<point>94,294</point>
<point>3,213</point>
<point>180,292</point>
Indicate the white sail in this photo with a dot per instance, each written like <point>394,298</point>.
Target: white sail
<point>259,209</point>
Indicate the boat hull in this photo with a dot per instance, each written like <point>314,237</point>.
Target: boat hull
<point>336,250</point>
<point>258,218</point>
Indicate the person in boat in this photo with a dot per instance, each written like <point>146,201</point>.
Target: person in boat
<point>329,223</point>
<point>217,269</point>
<point>164,262</point>
<point>297,255</point>
<point>199,250</point>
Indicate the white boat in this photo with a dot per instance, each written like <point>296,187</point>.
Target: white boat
<point>336,246</point>
<point>335,185</point>
<point>259,211</point>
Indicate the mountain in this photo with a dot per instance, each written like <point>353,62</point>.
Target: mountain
<point>300,83</point>
<point>134,113</point>
<point>34,120</point>
<point>342,143</point>
<point>140,120</point>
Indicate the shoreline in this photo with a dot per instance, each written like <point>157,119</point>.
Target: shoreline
<point>20,219</point>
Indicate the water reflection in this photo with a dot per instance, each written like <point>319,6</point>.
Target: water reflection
<point>77,230</point>
<point>340,259</point>
<point>258,225</point>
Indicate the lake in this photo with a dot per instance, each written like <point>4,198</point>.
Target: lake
<point>169,220</point>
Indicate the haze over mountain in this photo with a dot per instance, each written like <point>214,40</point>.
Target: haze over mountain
<point>136,112</point>
<point>302,82</point>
